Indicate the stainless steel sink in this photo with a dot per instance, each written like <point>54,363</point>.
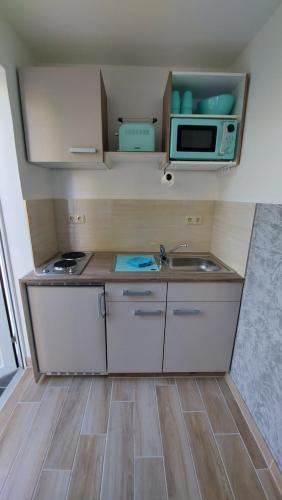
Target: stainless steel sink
<point>196,264</point>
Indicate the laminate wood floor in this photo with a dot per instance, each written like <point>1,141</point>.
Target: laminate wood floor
<point>99,438</point>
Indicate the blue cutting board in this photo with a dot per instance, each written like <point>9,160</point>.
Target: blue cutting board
<point>123,266</point>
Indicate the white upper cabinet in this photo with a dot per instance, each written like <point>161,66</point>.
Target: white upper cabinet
<point>65,115</point>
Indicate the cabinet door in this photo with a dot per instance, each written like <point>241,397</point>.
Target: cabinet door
<point>135,334</point>
<point>199,336</point>
<point>69,328</point>
<point>62,109</point>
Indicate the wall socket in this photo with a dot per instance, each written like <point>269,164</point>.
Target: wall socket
<point>193,219</point>
<point>77,219</point>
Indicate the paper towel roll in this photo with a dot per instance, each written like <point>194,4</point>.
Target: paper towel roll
<point>168,179</point>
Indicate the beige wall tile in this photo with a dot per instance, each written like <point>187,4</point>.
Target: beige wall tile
<point>141,225</point>
<point>42,227</point>
<point>232,228</point>
<point>133,225</point>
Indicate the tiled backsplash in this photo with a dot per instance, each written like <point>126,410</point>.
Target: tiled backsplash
<point>132,225</point>
<point>42,227</point>
<point>141,225</point>
<point>232,227</point>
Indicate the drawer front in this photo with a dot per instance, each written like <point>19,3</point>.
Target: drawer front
<point>210,292</point>
<point>199,336</point>
<point>135,292</point>
<point>135,336</point>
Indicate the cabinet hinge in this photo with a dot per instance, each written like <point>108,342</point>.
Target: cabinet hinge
<point>14,339</point>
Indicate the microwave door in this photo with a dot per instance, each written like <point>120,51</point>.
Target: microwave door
<point>194,141</point>
<point>197,139</point>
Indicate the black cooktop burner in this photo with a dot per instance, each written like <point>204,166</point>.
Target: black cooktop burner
<point>73,255</point>
<point>64,264</point>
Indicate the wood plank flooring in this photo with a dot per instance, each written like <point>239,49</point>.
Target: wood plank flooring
<point>212,478</point>
<point>180,474</point>
<point>99,438</point>
<point>52,484</point>
<point>243,478</point>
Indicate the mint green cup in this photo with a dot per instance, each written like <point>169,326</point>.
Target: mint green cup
<point>175,102</point>
<point>187,103</point>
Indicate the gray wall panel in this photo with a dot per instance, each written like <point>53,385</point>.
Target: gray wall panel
<point>257,361</point>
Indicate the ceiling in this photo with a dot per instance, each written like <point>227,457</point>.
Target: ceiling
<point>149,32</point>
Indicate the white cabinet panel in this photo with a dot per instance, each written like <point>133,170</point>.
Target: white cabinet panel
<point>69,328</point>
<point>64,107</point>
<point>135,335</point>
<point>199,336</point>
<point>129,292</point>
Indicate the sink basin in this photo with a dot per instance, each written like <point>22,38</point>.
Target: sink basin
<point>196,264</point>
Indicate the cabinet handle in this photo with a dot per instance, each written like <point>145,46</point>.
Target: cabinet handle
<point>142,312</point>
<point>133,293</point>
<point>82,150</point>
<point>186,312</point>
<point>101,310</point>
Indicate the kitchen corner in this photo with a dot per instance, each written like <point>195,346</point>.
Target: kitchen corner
<point>140,250</point>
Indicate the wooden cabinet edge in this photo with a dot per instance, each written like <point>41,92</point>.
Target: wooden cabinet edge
<point>166,115</point>
<point>29,329</point>
<point>104,115</point>
<point>243,119</point>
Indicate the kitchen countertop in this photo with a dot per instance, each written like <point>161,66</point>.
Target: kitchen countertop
<point>101,269</point>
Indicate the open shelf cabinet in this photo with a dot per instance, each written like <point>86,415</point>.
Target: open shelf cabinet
<point>202,85</point>
<point>116,157</point>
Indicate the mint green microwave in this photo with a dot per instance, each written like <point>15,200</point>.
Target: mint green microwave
<point>134,136</point>
<point>203,139</point>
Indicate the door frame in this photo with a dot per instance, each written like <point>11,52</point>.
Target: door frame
<point>10,296</point>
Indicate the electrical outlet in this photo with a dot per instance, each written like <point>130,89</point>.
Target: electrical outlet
<point>193,219</point>
<point>77,219</point>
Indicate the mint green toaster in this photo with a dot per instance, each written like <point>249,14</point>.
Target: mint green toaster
<point>136,135</point>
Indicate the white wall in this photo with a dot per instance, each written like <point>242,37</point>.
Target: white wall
<point>15,173</point>
<point>133,181</point>
<point>35,181</point>
<point>133,91</point>
<point>259,175</point>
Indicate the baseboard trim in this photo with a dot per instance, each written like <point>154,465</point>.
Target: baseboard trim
<point>271,464</point>
<point>28,362</point>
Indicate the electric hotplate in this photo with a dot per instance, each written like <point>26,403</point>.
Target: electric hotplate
<point>66,263</point>
<point>73,255</point>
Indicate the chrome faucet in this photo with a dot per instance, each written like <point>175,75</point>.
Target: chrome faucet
<point>163,256</point>
<point>180,245</point>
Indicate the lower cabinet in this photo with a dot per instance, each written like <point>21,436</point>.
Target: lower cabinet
<point>135,336</point>
<point>192,331</point>
<point>68,328</point>
<point>199,336</point>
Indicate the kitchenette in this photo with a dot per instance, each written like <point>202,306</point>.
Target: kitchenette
<point>140,250</point>
<point>107,295</point>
